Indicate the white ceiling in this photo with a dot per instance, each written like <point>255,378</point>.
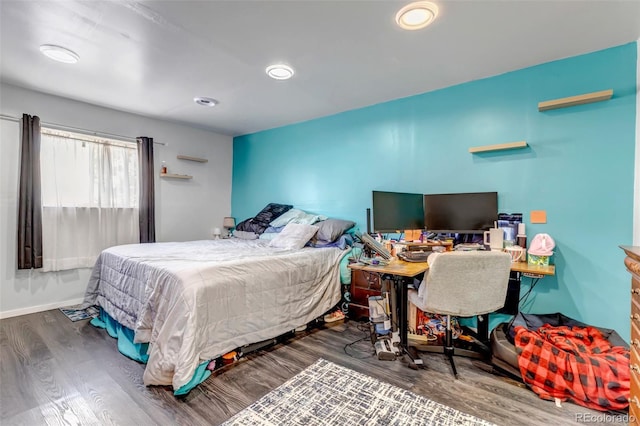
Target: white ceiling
<point>153,57</point>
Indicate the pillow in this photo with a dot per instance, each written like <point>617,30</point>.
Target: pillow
<point>270,212</point>
<point>244,235</point>
<point>294,236</point>
<point>331,229</point>
<point>287,217</point>
<point>248,225</point>
<point>308,218</point>
<point>268,236</point>
<point>270,233</point>
<point>297,216</point>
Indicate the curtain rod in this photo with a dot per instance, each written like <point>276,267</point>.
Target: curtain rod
<point>78,129</point>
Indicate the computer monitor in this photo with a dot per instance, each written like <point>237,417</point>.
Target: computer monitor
<point>460,213</point>
<point>397,211</point>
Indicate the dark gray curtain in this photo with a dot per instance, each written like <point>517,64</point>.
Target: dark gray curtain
<point>147,197</point>
<point>29,200</point>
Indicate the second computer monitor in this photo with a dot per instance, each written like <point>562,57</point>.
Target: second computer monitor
<point>460,213</point>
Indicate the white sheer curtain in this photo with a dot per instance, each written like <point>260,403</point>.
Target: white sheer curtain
<point>89,198</point>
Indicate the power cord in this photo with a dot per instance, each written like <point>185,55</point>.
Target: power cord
<point>524,300</point>
<point>349,346</point>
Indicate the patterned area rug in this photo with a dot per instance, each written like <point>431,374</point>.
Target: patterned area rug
<point>328,394</point>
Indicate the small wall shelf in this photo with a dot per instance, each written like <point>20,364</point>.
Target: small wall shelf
<point>174,176</point>
<point>498,147</point>
<point>587,98</point>
<point>188,158</point>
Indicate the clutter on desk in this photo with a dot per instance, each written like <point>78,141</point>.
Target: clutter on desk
<point>509,223</point>
<point>540,250</point>
<point>517,253</point>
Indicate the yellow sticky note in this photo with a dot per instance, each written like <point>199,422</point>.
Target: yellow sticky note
<point>538,216</point>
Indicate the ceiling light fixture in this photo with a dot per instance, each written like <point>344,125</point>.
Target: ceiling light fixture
<point>201,100</point>
<point>59,53</point>
<point>279,71</point>
<point>417,15</point>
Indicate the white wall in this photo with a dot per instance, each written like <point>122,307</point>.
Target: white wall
<point>185,209</point>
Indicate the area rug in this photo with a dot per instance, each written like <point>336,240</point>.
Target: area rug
<point>328,394</point>
<point>75,314</point>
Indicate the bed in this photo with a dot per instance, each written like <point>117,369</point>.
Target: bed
<point>194,301</point>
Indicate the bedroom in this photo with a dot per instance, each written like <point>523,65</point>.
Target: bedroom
<point>376,147</point>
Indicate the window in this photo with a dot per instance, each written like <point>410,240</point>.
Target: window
<point>89,197</point>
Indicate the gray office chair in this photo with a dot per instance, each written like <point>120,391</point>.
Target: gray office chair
<point>463,284</point>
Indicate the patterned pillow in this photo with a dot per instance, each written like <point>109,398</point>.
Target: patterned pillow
<point>271,212</point>
<point>260,222</point>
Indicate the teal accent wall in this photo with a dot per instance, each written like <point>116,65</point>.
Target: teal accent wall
<point>579,167</point>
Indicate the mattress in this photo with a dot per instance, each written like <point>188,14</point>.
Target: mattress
<point>194,301</point>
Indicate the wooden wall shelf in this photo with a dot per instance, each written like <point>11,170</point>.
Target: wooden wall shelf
<point>498,147</point>
<point>188,158</point>
<point>174,176</point>
<point>587,98</point>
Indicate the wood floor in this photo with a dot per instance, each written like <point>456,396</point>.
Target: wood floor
<point>57,372</point>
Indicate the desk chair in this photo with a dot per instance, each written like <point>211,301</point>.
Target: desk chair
<point>463,284</point>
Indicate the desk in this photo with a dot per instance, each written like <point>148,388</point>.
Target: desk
<point>401,272</point>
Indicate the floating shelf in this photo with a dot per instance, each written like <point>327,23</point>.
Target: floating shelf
<point>587,98</point>
<point>186,157</point>
<point>174,176</point>
<point>498,147</point>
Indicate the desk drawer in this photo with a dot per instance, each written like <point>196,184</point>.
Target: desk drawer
<point>634,402</point>
<point>635,288</point>
<point>633,266</point>
<point>363,285</point>
<point>366,280</point>
<point>634,412</point>
<point>635,319</point>
<point>360,296</point>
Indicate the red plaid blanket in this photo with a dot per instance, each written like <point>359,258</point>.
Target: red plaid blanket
<point>574,363</point>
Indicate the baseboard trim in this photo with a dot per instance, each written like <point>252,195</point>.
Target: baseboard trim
<point>39,308</point>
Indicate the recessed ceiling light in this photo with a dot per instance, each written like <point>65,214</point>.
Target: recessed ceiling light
<point>59,53</point>
<point>280,71</point>
<point>201,100</point>
<point>417,15</point>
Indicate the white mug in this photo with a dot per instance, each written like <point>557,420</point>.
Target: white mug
<point>517,253</point>
<point>494,238</point>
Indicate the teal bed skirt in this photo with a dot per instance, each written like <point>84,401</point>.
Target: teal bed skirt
<point>139,351</point>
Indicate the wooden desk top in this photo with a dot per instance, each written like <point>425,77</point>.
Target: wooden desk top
<point>411,269</point>
<point>395,267</point>
<point>524,267</point>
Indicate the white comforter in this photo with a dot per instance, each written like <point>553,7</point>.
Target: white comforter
<point>197,300</point>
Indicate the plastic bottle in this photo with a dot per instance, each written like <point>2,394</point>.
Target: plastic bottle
<point>521,240</point>
<point>163,168</point>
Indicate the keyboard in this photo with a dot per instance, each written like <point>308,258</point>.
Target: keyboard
<point>414,256</point>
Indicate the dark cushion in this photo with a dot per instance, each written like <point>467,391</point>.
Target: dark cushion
<point>331,229</point>
<point>249,225</point>
<point>271,212</point>
<point>260,222</point>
